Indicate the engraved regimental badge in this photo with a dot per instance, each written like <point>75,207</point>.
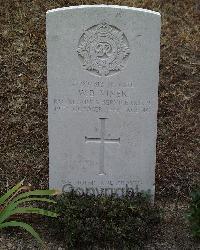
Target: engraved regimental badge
<point>103,49</point>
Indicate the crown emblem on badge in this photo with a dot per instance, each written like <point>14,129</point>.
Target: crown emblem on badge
<point>103,49</point>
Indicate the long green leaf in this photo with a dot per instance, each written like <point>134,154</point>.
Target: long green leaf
<point>36,193</point>
<point>24,226</point>
<point>10,192</point>
<point>13,205</point>
<point>34,210</point>
<point>33,199</point>
<point>26,210</point>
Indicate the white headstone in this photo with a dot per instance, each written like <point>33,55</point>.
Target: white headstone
<point>103,72</point>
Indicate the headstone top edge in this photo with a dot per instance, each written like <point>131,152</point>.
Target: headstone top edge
<point>102,6</point>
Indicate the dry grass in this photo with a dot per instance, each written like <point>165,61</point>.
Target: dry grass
<point>23,92</point>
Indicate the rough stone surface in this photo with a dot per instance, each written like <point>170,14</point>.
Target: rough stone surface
<point>102,97</point>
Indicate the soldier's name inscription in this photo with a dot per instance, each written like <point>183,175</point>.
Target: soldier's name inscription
<point>97,97</point>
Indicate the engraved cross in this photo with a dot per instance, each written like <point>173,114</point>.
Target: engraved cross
<point>102,140</point>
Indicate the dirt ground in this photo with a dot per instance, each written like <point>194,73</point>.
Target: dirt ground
<point>23,104</point>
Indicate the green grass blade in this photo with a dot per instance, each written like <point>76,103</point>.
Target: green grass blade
<point>10,192</point>
<point>24,226</point>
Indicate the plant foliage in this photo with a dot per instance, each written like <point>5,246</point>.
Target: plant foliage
<point>9,207</point>
<point>87,221</point>
<point>194,212</point>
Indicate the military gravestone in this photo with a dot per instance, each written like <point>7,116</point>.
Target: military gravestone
<point>103,70</point>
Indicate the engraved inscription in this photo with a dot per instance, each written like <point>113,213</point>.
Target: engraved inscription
<point>98,96</point>
<point>102,140</point>
<point>103,49</point>
<point>102,105</point>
